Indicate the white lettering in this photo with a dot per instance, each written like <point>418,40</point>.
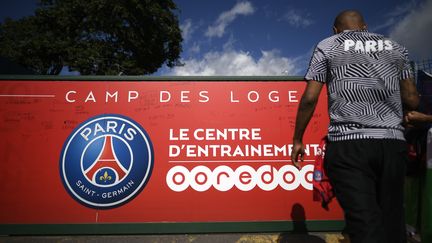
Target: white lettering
<point>359,46</point>
<point>368,46</point>
<point>253,93</point>
<point>204,95</point>
<point>130,134</point>
<point>164,96</point>
<point>132,95</point>
<point>273,98</point>
<point>90,97</point>
<point>67,96</point>
<point>232,98</point>
<point>348,44</point>
<point>183,134</point>
<point>292,96</point>
<point>174,151</point>
<point>244,178</point>
<point>184,96</point>
<point>109,126</point>
<point>388,45</point>
<point>108,95</point>
<point>85,133</point>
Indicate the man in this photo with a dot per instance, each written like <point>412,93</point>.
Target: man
<point>369,82</point>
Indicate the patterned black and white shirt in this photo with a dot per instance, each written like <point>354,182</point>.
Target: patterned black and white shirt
<point>362,71</point>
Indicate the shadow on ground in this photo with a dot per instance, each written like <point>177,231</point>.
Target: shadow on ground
<point>300,231</point>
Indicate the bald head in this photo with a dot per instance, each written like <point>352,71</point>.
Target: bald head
<point>349,20</point>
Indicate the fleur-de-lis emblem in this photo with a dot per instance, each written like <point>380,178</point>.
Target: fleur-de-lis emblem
<point>105,177</point>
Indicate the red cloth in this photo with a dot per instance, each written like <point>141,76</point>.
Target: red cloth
<point>322,189</point>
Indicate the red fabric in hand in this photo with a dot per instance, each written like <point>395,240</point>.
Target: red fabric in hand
<point>322,189</point>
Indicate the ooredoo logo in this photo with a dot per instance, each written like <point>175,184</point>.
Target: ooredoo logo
<point>244,178</point>
<point>106,161</point>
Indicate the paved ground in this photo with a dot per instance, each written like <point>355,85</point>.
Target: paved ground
<point>190,238</point>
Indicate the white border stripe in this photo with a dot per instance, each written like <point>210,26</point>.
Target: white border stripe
<point>27,96</point>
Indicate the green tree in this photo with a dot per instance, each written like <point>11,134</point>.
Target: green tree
<point>95,37</point>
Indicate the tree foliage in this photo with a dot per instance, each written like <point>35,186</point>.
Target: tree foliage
<point>95,37</point>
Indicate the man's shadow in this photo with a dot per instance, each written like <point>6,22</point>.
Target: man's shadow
<point>299,234</point>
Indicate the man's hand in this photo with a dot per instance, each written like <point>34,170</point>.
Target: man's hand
<point>296,152</point>
<point>414,118</point>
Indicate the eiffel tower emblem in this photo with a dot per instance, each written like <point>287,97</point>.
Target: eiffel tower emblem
<point>106,159</point>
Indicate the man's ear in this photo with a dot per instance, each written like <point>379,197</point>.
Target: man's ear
<point>335,30</point>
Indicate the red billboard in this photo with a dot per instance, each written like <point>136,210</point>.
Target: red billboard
<point>77,151</point>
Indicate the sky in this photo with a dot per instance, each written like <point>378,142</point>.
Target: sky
<point>274,37</point>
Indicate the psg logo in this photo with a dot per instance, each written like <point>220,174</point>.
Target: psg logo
<point>317,175</point>
<point>106,161</point>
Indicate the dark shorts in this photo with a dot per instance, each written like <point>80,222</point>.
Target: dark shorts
<point>368,176</point>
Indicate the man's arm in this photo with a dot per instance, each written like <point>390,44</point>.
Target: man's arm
<point>409,94</point>
<point>304,113</point>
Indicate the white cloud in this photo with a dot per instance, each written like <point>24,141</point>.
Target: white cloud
<point>187,29</point>
<point>297,19</point>
<point>225,18</point>
<point>389,22</point>
<point>414,31</point>
<point>196,48</point>
<point>237,63</point>
<point>395,15</point>
<point>403,9</point>
<point>229,44</point>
